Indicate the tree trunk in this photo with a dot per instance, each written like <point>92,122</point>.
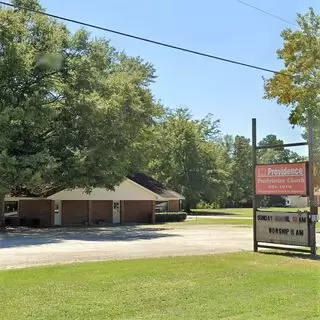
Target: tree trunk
<point>187,207</point>
<point>2,219</point>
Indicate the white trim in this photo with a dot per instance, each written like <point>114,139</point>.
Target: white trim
<point>145,189</point>
<point>157,196</point>
<point>126,190</point>
<point>116,213</point>
<point>170,199</point>
<point>23,198</point>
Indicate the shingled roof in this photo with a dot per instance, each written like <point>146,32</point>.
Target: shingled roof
<point>155,186</point>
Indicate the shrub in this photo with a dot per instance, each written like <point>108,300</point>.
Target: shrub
<point>206,205</point>
<point>12,222</point>
<point>171,217</point>
<point>35,223</point>
<point>30,222</point>
<point>23,222</point>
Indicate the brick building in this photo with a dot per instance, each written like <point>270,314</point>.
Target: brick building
<point>132,201</point>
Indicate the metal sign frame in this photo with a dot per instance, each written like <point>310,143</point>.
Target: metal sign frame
<point>313,213</point>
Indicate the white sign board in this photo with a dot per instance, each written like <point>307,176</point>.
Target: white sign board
<point>283,228</point>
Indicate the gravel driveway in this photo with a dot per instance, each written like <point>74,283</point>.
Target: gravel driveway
<point>54,246</point>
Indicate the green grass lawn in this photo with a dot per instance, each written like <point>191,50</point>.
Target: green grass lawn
<point>241,212</point>
<point>232,286</point>
<point>223,221</point>
<point>231,215</point>
<point>244,212</point>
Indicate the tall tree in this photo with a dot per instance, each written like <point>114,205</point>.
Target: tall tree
<point>186,156</point>
<point>298,84</point>
<point>73,111</point>
<point>276,155</point>
<point>298,87</point>
<point>228,143</point>
<point>241,170</point>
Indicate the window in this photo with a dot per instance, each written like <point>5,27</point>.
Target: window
<point>161,206</point>
<point>11,208</point>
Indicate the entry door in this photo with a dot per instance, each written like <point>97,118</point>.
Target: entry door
<point>57,213</point>
<point>116,211</point>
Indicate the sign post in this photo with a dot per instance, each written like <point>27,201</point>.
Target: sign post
<point>313,205</point>
<point>254,200</point>
<point>294,229</point>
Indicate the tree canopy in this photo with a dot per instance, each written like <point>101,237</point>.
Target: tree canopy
<point>186,156</point>
<point>276,155</point>
<point>298,84</point>
<point>73,110</point>
<point>241,170</point>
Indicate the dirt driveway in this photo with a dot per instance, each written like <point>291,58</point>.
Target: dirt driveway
<point>51,246</point>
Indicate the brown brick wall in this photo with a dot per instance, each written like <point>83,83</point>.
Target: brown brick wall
<point>122,212</point>
<point>102,210</point>
<point>174,206</point>
<point>42,209</point>
<point>138,211</point>
<point>74,212</point>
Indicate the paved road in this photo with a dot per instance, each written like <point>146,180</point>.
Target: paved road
<point>40,247</point>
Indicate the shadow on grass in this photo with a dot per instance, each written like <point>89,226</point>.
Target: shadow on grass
<point>296,255</point>
<point>31,237</point>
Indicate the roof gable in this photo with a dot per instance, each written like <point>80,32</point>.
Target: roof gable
<point>155,186</point>
<point>126,190</point>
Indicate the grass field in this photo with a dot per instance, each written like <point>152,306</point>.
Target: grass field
<point>248,222</point>
<point>231,286</point>
<point>241,212</point>
<point>223,221</point>
<point>231,216</point>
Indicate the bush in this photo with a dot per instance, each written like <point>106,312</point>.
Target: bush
<point>206,205</point>
<point>171,217</point>
<point>23,222</point>
<point>35,223</point>
<point>30,222</point>
<point>12,222</point>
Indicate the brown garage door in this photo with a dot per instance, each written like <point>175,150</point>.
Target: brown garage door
<point>74,212</point>
<point>101,211</point>
<point>41,209</point>
<point>138,211</point>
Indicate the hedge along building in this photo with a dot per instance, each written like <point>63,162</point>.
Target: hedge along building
<point>132,201</point>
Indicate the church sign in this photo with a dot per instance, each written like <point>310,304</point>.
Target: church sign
<point>284,229</point>
<point>281,179</point>
<point>289,228</point>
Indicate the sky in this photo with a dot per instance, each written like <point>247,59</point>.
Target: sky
<point>228,29</point>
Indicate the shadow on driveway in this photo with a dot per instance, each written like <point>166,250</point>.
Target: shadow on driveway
<point>30,237</point>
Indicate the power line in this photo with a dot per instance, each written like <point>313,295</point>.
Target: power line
<point>267,13</point>
<point>145,39</point>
